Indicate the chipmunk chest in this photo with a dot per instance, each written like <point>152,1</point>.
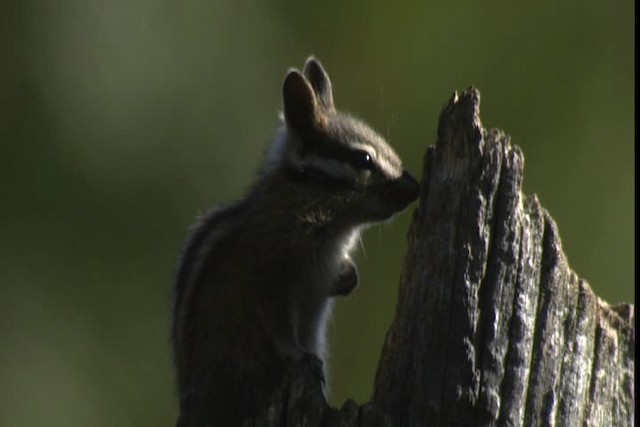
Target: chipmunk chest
<point>311,308</point>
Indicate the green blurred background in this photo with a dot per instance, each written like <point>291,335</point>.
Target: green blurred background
<point>121,120</point>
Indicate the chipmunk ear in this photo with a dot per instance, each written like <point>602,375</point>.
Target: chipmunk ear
<point>300,103</point>
<point>320,82</point>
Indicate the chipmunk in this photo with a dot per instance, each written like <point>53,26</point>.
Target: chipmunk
<point>256,279</point>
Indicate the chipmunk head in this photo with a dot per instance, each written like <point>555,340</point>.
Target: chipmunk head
<point>341,162</point>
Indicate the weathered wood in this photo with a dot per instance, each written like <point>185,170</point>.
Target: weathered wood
<point>492,327</point>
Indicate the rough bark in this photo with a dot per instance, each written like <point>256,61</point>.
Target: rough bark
<point>492,327</point>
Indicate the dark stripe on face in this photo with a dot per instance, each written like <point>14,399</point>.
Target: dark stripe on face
<point>309,175</point>
<point>333,149</point>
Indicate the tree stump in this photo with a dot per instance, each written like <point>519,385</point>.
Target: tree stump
<point>492,327</point>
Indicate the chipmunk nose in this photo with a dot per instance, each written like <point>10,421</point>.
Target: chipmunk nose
<point>391,197</point>
<point>405,190</point>
<point>408,187</point>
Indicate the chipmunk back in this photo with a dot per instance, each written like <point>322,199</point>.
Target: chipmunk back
<point>256,279</point>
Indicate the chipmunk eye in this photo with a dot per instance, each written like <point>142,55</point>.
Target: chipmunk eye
<point>360,159</point>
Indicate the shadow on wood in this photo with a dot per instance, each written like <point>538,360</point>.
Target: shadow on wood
<point>492,327</point>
